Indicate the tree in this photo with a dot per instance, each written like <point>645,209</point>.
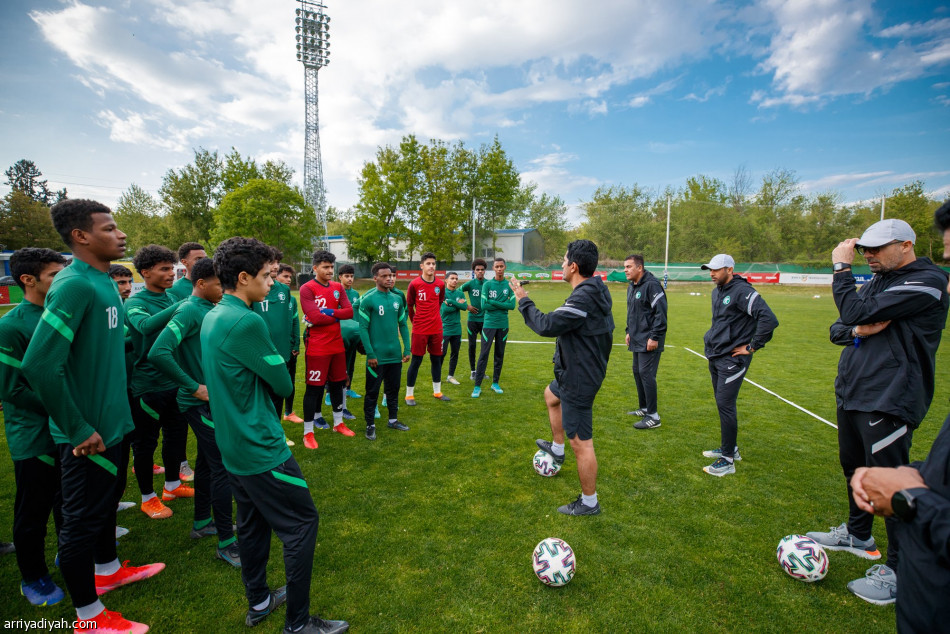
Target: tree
<point>141,218</point>
<point>24,177</point>
<point>270,211</point>
<point>547,214</point>
<point>190,196</point>
<point>378,218</point>
<point>499,183</point>
<point>911,204</point>
<point>621,219</point>
<point>441,214</point>
<point>25,222</point>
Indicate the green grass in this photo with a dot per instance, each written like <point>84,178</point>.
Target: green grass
<point>432,530</point>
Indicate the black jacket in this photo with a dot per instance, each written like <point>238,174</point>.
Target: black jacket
<point>584,329</point>
<point>893,371</point>
<point>646,313</point>
<point>924,567</point>
<point>739,317</point>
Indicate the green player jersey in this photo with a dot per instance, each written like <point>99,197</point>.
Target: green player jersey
<point>239,361</point>
<point>452,305</point>
<point>294,324</point>
<point>24,416</point>
<point>382,317</point>
<point>278,314</point>
<point>176,352</point>
<point>75,361</point>
<point>497,300</point>
<point>146,313</point>
<point>181,289</point>
<point>474,289</point>
<point>350,328</point>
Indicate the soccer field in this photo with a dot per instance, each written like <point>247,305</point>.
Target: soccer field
<point>432,530</point>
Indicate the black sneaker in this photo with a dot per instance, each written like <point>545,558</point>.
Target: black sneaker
<point>230,553</point>
<point>371,432</point>
<point>316,625</point>
<point>647,422</point>
<point>397,425</point>
<point>348,415</point>
<point>577,507</point>
<point>277,598</point>
<point>545,446</point>
<point>6,548</point>
<point>637,412</point>
<point>207,531</point>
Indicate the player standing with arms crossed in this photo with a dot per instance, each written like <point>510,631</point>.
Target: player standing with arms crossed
<point>497,300</point>
<point>475,315</point>
<point>72,362</point>
<point>424,301</point>
<point>452,307</point>
<point>324,304</point>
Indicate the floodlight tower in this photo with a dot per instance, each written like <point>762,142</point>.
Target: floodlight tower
<point>313,51</point>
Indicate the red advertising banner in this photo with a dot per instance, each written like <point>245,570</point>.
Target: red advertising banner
<point>4,294</point>
<point>761,278</point>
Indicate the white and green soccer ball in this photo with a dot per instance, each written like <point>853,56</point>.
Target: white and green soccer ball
<point>544,464</point>
<point>802,558</point>
<point>554,562</point>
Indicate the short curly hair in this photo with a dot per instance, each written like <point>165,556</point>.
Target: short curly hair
<point>202,270</point>
<point>75,213</point>
<point>32,261</point>
<point>942,217</point>
<point>187,248</point>
<point>117,270</point>
<point>240,255</point>
<point>151,255</point>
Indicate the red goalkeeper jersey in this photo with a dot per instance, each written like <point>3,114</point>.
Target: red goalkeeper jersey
<point>424,300</point>
<point>323,336</point>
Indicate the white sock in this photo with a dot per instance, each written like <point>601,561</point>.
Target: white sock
<point>409,391</point>
<point>337,418</point>
<point>437,387</point>
<point>654,415</point>
<point>344,399</point>
<point>183,464</point>
<point>91,611</point>
<point>589,500</point>
<point>392,420</point>
<point>557,449</point>
<point>263,605</point>
<point>307,427</point>
<point>145,498</point>
<point>107,569</point>
<point>171,485</point>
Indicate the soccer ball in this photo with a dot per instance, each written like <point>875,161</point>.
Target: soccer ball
<point>802,558</point>
<point>553,561</point>
<point>544,464</point>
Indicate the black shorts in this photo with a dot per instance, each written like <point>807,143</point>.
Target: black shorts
<point>576,419</point>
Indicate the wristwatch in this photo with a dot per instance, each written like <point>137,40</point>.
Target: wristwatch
<point>749,349</point>
<point>841,266</point>
<point>904,503</point>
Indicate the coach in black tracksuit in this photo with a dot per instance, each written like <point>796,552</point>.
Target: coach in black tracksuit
<point>584,329</point>
<point>890,330</point>
<point>741,324</point>
<point>646,332</point>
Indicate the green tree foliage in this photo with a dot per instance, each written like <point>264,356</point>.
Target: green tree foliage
<point>547,214</point>
<point>24,176</point>
<point>25,222</point>
<point>190,195</point>
<point>379,217</point>
<point>498,187</point>
<point>269,211</point>
<point>141,217</point>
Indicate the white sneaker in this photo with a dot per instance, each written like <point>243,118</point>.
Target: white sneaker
<point>121,531</point>
<point>125,506</point>
<point>451,379</point>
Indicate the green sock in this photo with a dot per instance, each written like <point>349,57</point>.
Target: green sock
<point>201,524</point>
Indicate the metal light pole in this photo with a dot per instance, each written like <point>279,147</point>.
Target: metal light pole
<point>313,51</point>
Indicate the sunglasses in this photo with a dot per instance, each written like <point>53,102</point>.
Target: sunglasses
<point>875,250</point>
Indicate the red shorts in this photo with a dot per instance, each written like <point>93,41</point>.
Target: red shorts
<point>420,343</point>
<point>323,368</point>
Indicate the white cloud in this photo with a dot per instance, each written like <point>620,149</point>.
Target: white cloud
<point>824,49</point>
<point>551,174</point>
<point>645,97</point>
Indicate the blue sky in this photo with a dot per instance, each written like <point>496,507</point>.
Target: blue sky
<point>852,95</point>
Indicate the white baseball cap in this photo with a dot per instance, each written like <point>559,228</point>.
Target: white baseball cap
<point>885,232</point>
<point>720,261</point>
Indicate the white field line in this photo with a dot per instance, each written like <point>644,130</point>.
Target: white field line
<point>781,398</point>
<point>622,345</point>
